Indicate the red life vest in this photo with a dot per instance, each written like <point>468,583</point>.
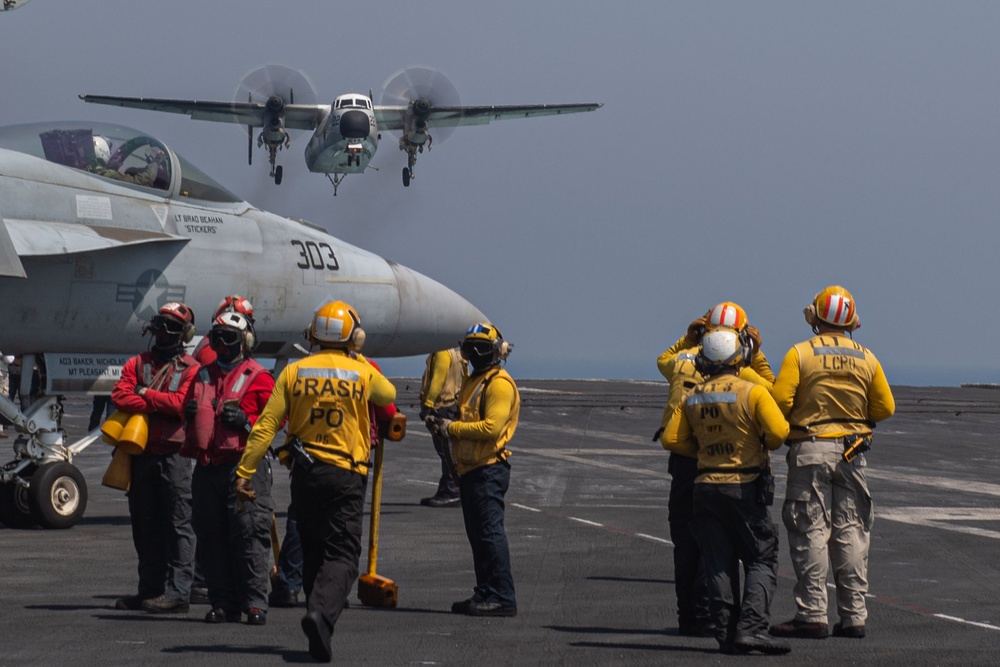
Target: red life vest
<point>207,439</point>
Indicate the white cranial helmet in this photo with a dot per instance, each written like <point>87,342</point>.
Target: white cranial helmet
<point>102,150</point>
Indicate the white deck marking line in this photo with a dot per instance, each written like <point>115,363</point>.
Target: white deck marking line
<point>962,620</point>
<point>942,517</point>
<point>525,507</point>
<point>654,538</point>
<point>585,521</point>
<point>945,483</point>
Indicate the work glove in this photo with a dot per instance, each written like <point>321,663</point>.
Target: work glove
<point>140,389</point>
<point>431,422</point>
<point>442,425</point>
<point>754,335</point>
<point>244,492</point>
<point>234,418</point>
<point>656,436</point>
<point>696,330</point>
<point>190,411</point>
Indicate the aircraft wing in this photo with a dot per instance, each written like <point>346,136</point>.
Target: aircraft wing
<point>35,238</point>
<point>392,117</point>
<point>297,116</point>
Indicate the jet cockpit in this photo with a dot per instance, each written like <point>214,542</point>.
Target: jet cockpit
<point>116,153</point>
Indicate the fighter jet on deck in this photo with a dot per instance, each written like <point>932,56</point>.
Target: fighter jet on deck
<point>100,225</point>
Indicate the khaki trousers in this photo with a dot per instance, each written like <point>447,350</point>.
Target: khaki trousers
<point>828,513</point>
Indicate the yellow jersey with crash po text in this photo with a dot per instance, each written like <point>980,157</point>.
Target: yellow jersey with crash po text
<point>325,397</point>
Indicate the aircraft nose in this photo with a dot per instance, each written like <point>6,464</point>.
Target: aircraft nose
<point>354,125</point>
<point>429,311</point>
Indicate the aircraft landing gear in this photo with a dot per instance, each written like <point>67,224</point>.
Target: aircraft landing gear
<point>41,485</point>
<point>411,156</point>
<point>272,153</point>
<point>58,495</point>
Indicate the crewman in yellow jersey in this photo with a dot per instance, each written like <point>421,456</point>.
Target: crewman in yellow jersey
<point>833,391</point>
<point>729,424</point>
<point>443,377</point>
<point>325,397</point>
<point>677,365</point>
<point>489,405</point>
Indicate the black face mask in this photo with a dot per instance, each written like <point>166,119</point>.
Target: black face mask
<point>229,353</point>
<point>480,354</point>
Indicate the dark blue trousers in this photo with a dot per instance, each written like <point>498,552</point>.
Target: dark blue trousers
<point>482,493</point>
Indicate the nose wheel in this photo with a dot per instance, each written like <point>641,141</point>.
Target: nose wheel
<point>407,175</point>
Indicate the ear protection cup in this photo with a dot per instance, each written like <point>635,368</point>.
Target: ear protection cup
<point>188,333</point>
<point>358,337</point>
<point>249,340</point>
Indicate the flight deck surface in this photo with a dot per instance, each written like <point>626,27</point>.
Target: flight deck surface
<point>587,525</point>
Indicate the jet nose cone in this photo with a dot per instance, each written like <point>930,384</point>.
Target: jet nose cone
<point>431,316</point>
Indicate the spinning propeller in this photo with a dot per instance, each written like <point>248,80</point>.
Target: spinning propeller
<point>274,86</point>
<point>421,90</point>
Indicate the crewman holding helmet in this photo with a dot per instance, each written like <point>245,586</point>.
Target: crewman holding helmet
<point>488,409</point>
<point>833,391</point>
<point>676,364</point>
<point>159,498</point>
<point>234,538</point>
<point>325,397</point>
<point>729,424</point>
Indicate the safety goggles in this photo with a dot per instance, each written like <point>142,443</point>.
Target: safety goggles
<point>224,337</point>
<point>168,325</point>
<point>477,348</point>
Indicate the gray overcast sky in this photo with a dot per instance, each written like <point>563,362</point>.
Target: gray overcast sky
<point>747,151</point>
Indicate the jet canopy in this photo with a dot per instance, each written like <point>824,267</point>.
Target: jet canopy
<point>117,153</point>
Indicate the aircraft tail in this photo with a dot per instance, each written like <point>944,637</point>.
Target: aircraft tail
<point>10,264</point>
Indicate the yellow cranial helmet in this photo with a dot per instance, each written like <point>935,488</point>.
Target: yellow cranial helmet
<point>484,345</point>
<point>336,323</point>
<point>835,306</point>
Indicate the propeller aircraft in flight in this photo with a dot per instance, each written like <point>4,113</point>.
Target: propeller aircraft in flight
<point>100,225</point>
<point>346,133</point>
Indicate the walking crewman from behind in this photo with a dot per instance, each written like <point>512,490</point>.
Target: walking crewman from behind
<point>325,397</point>
<point>730,424</point>
<point>489,405</point>
<point>676,364</point>
<point>443,377</point>
<point>832,390</point>
<point>159,499</point>
<point>234,538</point>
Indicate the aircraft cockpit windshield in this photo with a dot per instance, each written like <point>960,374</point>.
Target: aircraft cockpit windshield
<point>351,102</point>
<point>114,152</point>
